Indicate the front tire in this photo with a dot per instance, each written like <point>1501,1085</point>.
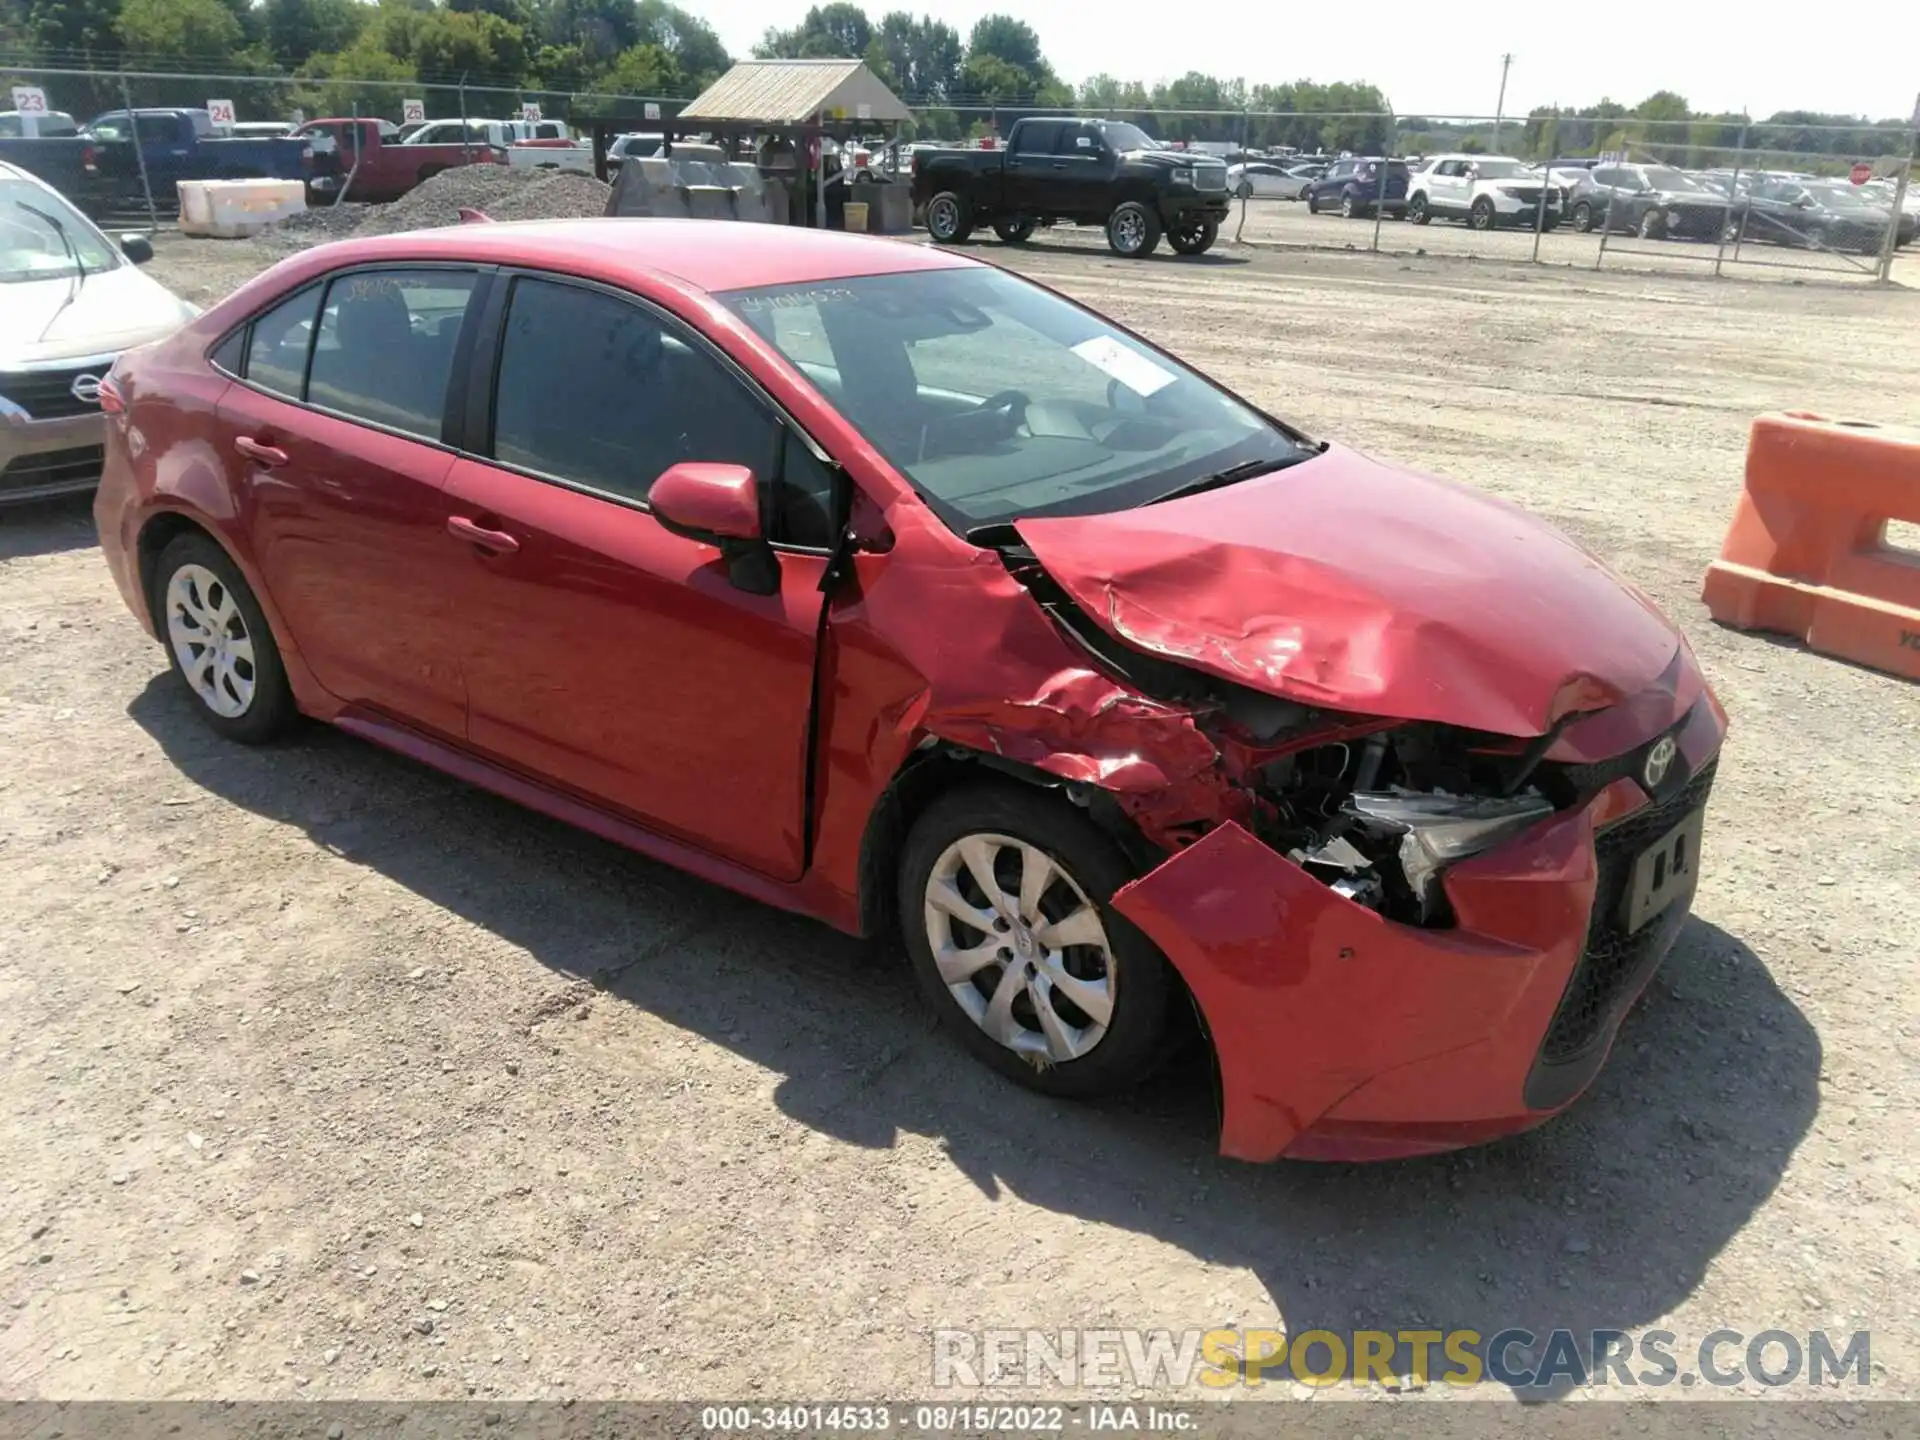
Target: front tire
<point>1583,218</point>
<point>1653,226</point>
<point>1004,902</point>
<point>1245,192</point>
<point>1133,230</point>
<point>218,642</point>
<point>1313,203</point>
<point>949,219</point>
<point>1014,230</point>
<point>1483,216</point>
<point>1193,236</point>
<point>1417,212</point>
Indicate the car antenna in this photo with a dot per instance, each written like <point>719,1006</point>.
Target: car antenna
<point>79,270</point>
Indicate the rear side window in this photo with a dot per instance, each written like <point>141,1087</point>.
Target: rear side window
<point>602,393</point>
<point>385,349</point>
<point>277,349</point>
<point>1037,137</point>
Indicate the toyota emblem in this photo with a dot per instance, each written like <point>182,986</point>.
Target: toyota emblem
<point>85,389</point>
<point>1659,761</point>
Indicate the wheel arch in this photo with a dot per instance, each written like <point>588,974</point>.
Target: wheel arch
<point>940,767</point>
<point>159,530</point>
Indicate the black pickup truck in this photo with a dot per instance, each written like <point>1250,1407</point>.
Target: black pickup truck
<point>1091,172</point>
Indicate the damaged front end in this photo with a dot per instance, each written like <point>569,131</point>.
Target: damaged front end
<point>1372,807</point>
<point>1385,920</point>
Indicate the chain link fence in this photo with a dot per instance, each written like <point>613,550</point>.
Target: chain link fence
<point>1725,196</point>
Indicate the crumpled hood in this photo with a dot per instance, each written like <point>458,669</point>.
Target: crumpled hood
<point>1346,583</point>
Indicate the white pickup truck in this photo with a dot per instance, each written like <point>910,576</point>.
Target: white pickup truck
<point>1484,190</point>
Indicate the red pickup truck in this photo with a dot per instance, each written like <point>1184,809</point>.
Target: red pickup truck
<point>387,169</point>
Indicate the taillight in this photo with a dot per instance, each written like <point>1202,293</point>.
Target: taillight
<point>112,402</point>
<point>90,159</point>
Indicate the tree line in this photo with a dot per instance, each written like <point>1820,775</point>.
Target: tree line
<point>340,53</point>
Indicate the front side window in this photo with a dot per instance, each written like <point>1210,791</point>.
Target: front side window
<point>600,392</point>
<point>385,348</point>
<point>998,400</point>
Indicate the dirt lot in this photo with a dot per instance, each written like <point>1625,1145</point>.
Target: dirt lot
<point>309,1090</point>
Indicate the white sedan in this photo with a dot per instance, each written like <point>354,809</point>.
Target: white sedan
<point>1261,180</point>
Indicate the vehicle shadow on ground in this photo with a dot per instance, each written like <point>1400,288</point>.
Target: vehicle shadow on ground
<point>1092,241</point>
<point>1607,1218</point>
<point>46,527</point>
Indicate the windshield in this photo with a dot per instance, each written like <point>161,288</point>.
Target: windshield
<point>1841,193</point>
<point>1122,136</point>
<point>1665,177</point>
<point>998,400</point>
<point>30,248</point>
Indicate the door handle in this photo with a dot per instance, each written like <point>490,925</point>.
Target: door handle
<point>267,457</point>
<point>498,541</point>
<point>1059,164</point>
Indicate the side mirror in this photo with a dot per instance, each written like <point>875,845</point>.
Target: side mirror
<point>136,248</point>
<point>718,505</point>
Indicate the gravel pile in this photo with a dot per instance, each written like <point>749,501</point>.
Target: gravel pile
<point>502,192</point>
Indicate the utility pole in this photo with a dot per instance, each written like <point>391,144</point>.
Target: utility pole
<point>1500,105</point>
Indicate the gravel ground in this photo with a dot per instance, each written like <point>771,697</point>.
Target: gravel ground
<point>325,1076</point>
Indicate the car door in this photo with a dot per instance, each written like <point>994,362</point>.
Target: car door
<point>1028,169</point>
<point>334,446</point>
<point>605,654</point>
<point>1082,167</point>
<point>1329,185</point>
<point>1447,190</point>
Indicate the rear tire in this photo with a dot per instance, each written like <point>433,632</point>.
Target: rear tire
<point>1349,206</point>
<point>949,219</point>
<point>1133,230</point>
<point>1118,975</point>
<point>218,642</point>
<point>1015,229</point>
<point>1193,237</point>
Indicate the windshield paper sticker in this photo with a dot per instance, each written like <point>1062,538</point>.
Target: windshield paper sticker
<point>1130,368</point>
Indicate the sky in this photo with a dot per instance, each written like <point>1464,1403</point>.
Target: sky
<point>1862,57</point>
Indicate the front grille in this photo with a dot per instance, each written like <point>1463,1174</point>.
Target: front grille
<point>1530,195</point>
<point>48,394</point>
<point>1209,177</point>
<point>53,469</point>
<point>1612,957</point>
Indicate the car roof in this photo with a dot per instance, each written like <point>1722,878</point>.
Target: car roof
<point>710,255</point>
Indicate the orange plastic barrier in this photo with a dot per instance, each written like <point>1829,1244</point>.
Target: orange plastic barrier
<point>1807,553</point>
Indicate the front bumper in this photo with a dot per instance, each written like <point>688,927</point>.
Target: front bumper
<point>1341,1035</point>
<point>43,458</point>
<point>1214,204</point>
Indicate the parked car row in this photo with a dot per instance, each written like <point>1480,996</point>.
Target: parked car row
<point>1655,202</point>
<point>102,166</point>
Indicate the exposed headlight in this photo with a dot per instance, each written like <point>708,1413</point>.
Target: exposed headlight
<point>1437,829</point>
<point>1183,176</point>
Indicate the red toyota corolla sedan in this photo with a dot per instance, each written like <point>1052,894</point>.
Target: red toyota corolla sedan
<point>885,586</point>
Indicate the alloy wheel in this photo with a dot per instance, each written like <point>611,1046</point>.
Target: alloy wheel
<point>1020,947</point>
<point>1130,230</point>
<point>943,218</point>
<point>210,640</point>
